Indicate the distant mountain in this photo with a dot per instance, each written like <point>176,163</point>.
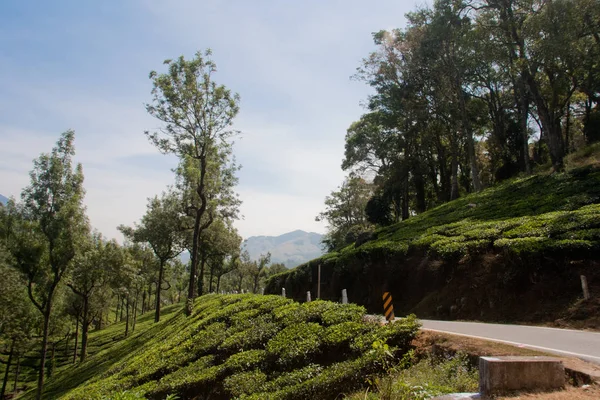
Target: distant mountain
<point>3,200</point>
<point>292,249</point>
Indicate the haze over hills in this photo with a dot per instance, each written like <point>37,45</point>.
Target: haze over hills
<point>3,199</point>
<point>292,248</point>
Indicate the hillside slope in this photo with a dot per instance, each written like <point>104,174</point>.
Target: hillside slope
<point>513,252</point>
<point>240,346</point>
<point>292,248</point>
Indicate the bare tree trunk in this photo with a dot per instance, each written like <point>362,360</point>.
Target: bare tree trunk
<point>149,304</point>
<point>135,307</point>
<point>18,370</point>
<point>523,125</point>
<point>161,273</point>
<point>8,363</point>
<point>42,370</point>
<point>117,310</point>
<point>189,306</point>
<point>143,301</point>
<point>210,281</point>
<point>454,190</point>
<point>127,317</point>
<point>52,360</point>
<point>218,282</point>
<point>85,324</point>
<point>122,306</point>
<point>76,339</point>
<point>468,134</point>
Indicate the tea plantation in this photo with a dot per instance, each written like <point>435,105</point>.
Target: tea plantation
<point>242,346</point>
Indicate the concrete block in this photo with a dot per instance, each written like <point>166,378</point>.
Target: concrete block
<point>507,374</point>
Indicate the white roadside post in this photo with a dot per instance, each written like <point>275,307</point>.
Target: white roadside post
<point>283,292</point>
<point>308,296</point>
<point>584,286</point>
<point>344,296</point>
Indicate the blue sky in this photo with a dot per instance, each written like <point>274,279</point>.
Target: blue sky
<point>84,65</point>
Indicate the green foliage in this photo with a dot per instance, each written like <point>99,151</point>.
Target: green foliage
<point>426,379</point>
<point>519,216</point>
<point>296,343</point>
<point>245,346</point>
<point>244,383</point>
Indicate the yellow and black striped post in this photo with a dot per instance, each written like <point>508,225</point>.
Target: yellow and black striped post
<point>388,306</point>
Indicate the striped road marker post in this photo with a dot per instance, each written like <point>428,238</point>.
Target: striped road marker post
<point>388,306</point>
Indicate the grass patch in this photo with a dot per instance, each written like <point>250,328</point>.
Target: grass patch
<point>425,379</point>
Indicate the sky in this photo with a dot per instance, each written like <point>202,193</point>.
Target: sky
<point>84,65</point>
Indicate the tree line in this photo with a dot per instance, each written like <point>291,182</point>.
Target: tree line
<point>469,93</point>
<point>61,277</point>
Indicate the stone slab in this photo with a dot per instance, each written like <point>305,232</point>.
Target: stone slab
<point>512,373</point>
<point>458,396</point>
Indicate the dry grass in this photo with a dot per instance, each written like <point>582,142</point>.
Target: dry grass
<point>579,372</point>
<point>434,342</point>
<point>591,392</point>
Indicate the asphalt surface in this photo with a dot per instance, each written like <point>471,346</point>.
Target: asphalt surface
<point>567,342</point>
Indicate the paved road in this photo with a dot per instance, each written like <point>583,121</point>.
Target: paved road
<point>581,344</point>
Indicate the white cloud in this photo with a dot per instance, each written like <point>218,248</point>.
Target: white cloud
<point>291,63</point>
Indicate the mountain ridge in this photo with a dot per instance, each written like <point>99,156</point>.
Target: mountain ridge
<point>291,248</point>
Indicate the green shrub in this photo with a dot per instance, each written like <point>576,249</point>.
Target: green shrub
<point>246,360</point>
<point>244,383</point>
<point>296,343</point>
<point>255,337</point>
<point>198,376</point>
<point>398,334</point>
<point>342,334</point>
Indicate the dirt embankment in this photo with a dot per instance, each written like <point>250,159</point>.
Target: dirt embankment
<point>498,287</point>
<point>583,378</point>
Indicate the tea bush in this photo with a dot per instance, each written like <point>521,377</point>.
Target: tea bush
<point>251,346</point>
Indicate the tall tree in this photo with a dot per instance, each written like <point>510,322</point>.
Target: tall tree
<point>55,224</point>
<point>197,115</point>
<point>345,211</point>
<point>91,273</point>
<point>160,227</point>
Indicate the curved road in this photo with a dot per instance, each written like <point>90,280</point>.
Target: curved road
<point>580,344</point>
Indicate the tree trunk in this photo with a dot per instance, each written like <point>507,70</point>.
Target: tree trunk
<point>189,306</point>
<point>127,317</point>
<point>256,279</point>
<point>454,190</point>
<point>149,305</point>
<point>523,103</point>
<point>42,370</point>
<point>18,370</point>
<point>201,275</point>
<point>135,307</point>
<point>52,361</point>
<point>85,324</point>
<point>76,339</point>
<point>161,272</point>
<point>468,135</point>
<point>8,363</point>
<point>122,306</point>
<point>218,282</point>
<point>550,124</point>
<point>240,282</point>
<point>143,301</point>
<point>210,281</point>
<point>117,310</point>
